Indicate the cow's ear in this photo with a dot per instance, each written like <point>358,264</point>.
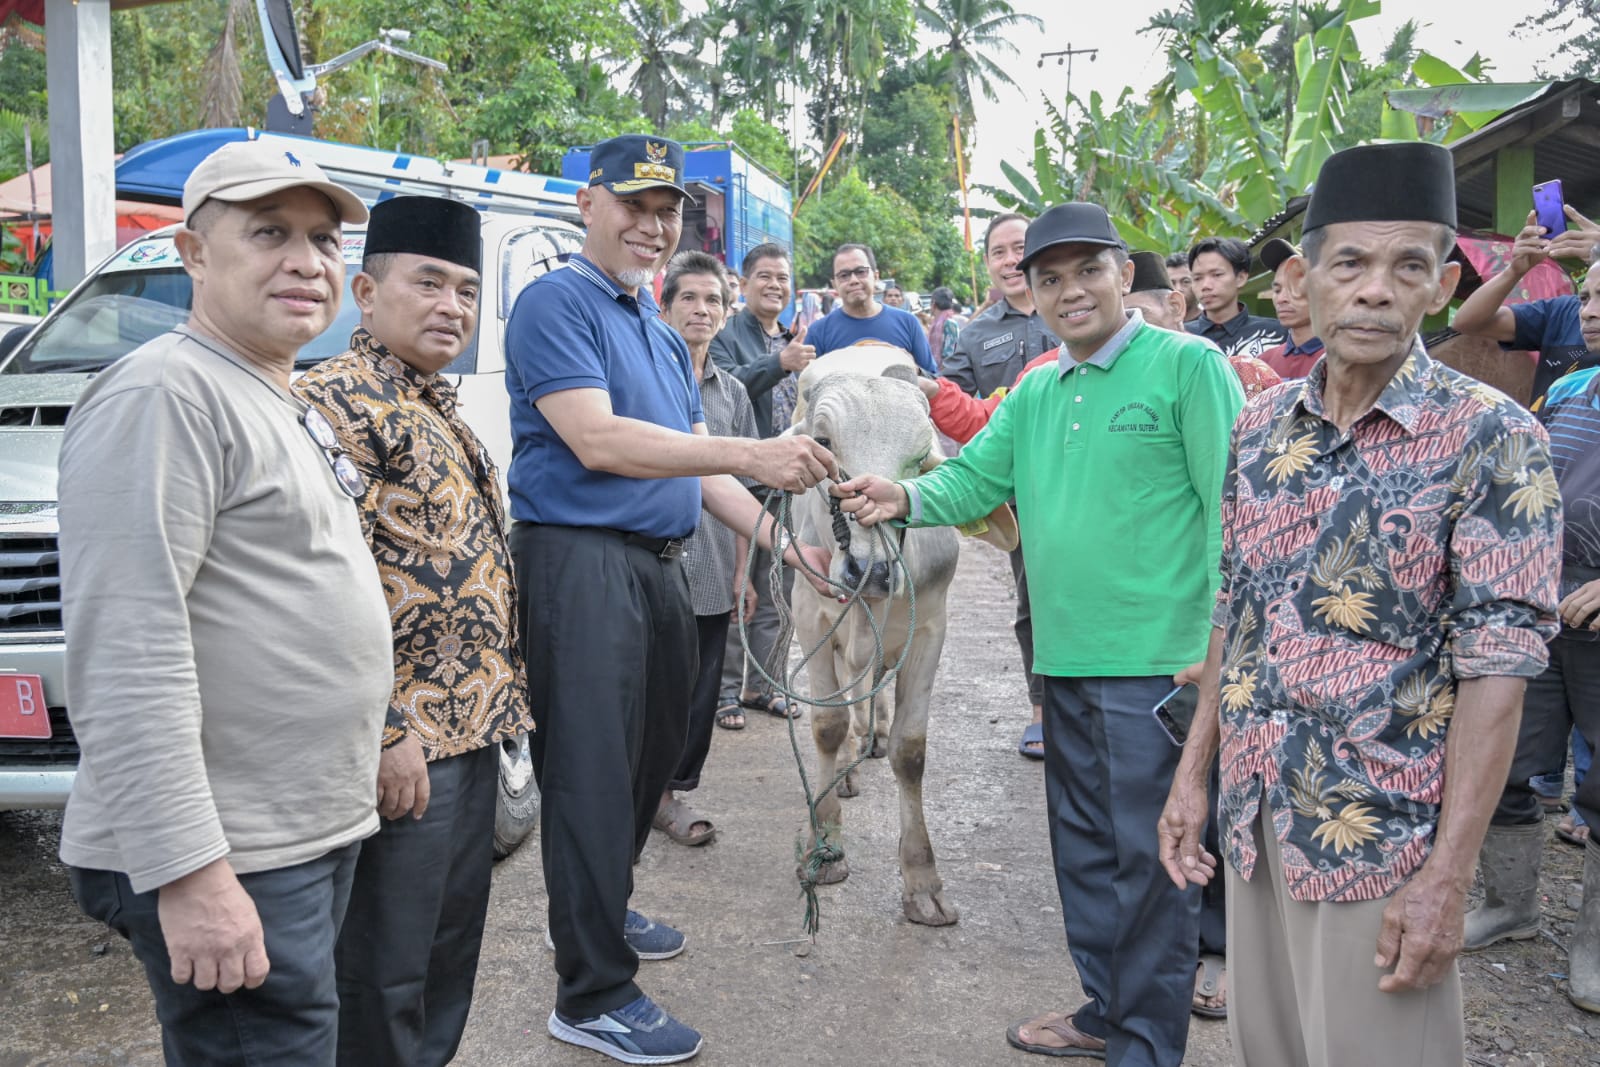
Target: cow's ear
<point>901,371</point>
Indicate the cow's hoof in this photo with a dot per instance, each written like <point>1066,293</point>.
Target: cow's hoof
<point>847,788</point>
<point>834,873</point>
<point>878,749</point>
<point>930,909</point>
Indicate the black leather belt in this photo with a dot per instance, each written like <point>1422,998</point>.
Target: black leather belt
<point>664,547</point>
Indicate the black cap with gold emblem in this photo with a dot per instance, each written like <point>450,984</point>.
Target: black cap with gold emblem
<point>635,162</point>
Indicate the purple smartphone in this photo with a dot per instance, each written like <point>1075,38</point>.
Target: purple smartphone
<point>1548,208</point>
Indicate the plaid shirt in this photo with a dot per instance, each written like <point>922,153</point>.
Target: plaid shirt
<point>1364,574</point>
<point>708,555</point>
<point>436,525</point>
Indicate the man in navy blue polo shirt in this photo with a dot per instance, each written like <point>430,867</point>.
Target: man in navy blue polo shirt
<point>610,463</point>
<point>861,317</point>
<point>1549,327</point>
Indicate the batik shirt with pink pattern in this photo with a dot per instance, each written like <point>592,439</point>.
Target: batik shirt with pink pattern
<point>1364,574</point>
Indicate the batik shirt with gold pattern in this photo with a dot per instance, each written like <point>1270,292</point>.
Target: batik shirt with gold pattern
<point>436,524</point>
<point>1365,573</point>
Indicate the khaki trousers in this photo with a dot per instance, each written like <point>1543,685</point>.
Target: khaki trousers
<point>1303,990</point>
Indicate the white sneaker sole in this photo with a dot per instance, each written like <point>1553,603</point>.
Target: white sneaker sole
<point>573,1036</point>
<point>551,945</point>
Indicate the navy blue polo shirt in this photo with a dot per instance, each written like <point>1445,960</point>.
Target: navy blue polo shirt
<point>1550,327</point>
<point>575,328</point>
<point>892,326</point>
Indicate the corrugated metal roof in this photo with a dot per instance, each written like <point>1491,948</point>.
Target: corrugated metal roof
<point>1563,129</point>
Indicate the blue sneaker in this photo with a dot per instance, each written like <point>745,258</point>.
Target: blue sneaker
<point>637,1032</point>
<point>651,940</point>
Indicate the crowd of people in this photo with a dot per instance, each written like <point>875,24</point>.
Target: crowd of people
<point>301,617</point>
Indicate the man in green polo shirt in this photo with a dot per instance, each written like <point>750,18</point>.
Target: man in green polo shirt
<point>1116,456</point>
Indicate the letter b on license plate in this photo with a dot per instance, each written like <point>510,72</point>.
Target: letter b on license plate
<point>23,712</point>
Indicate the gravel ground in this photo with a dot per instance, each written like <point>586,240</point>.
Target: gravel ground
<point>873,990</point>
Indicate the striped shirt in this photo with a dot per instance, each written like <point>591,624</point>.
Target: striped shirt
<point>708,556</point>
<point>1571,415</point>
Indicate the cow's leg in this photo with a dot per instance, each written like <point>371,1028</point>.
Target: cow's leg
<point>830,729</point>
<point>872,716</point>
<point>922,890</point>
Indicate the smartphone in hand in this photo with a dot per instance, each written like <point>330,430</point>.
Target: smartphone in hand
<point>1175,713</point>
<point>1549,208</point>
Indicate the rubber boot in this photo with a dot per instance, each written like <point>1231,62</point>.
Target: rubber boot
<point>1583,954</point>
<point>1509,864</point>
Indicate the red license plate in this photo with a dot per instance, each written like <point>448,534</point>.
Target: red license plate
<point>23,712</point>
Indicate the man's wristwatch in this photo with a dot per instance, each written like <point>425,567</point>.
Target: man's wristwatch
<point>780,541</point>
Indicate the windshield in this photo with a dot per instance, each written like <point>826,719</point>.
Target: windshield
<point>120,310</point>
<point>142,293</point>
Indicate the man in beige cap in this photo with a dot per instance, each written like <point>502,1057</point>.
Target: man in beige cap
<point>227,637</point>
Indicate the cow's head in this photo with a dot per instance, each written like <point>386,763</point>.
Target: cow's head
<point>873,424</point>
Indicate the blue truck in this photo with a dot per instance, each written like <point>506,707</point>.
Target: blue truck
<point>738,204</point>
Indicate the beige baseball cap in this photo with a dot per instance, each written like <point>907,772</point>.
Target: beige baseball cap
<point>247,170</point>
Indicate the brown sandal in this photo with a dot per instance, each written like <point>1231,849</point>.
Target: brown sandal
<point>1029,1034</point>
<point>678,820</point>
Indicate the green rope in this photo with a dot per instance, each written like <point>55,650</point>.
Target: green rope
<point>824,848</point>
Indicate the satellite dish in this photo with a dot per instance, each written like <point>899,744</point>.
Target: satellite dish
<point>290,111</point>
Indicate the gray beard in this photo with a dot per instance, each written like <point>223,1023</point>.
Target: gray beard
<point>635,279</point>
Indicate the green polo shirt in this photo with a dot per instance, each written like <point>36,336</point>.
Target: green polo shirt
<point>1116,464</point>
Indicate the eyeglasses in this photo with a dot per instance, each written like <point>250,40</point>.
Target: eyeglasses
<point>345,471</point>
<point>856,272</point>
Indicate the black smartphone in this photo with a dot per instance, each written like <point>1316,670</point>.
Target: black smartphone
<point>1549,208</point>
<point>1175,712</point>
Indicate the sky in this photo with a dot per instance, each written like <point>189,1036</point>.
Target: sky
<point>1128,58</point>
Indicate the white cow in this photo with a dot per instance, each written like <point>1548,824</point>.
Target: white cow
<point>862,404</point>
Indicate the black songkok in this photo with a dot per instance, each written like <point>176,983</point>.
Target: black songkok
<point>1410,182</point>
<point>426,226</point>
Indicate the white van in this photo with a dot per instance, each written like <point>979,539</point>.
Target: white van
<point>138,293</point>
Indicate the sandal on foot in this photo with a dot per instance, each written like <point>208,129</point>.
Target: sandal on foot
<point>678,821</point>
<point>1052,1034</point>
<point>730,716</point>
<point>773,705</point>
<point>1208,986</point>
<point>1032,743</point>
<point>1569,831</point>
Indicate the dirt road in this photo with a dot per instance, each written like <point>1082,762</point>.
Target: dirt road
<point>874,990</point>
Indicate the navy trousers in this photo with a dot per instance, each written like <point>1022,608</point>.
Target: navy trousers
<point>612,651</point>
<point>1131,932</point>
<point>407,957</point>
<point>291,1019</point>
<point>1565,695</point>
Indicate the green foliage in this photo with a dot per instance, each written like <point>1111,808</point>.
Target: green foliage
<point>969,33</point>
<point>905,145</point>
<point>22,79</point>
<point>12,157</point>
<point>761,141</point>
<point>1572,31</point>
<point>953,265</point>
<point>851,210</point>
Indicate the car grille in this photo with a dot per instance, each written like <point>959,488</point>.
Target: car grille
<point>30,585</point>
<point>59,748</point>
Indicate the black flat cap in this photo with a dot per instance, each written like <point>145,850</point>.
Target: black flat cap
<point>1274,252</point>
<point>1073,223</point>
<point>634,162</point>
<point>1149,272</point>
<point>426,226</point>
<point>1410,182</point>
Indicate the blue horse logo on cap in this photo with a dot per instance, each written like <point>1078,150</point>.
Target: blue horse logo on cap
<point>293,162</point>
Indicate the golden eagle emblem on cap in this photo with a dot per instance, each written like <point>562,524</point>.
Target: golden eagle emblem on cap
<point>656,152</point>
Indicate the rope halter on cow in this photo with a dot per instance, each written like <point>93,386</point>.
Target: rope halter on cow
<point>824,849</point>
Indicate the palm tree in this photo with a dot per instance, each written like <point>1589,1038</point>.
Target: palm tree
<point>969,30</point>
<point>670,73</point>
